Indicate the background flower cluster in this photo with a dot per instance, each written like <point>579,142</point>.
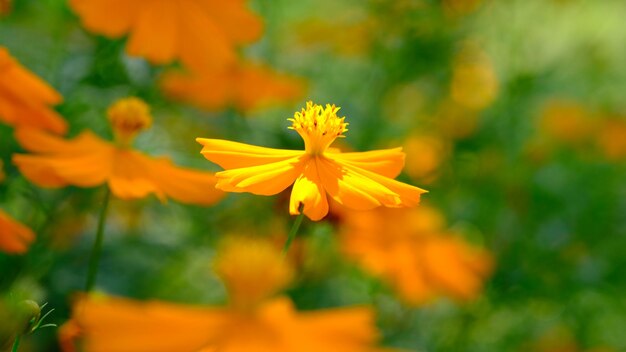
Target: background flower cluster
<point>511,114</point>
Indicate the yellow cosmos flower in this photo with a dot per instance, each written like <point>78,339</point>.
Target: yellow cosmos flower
<point>25,99</point>
<point>14,237</point>
<point>411,250</point>
<point>356,180</point>
<point>270,325</point>
<point>89,161</point>
<point>202,34</point>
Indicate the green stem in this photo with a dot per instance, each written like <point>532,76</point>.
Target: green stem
<point>294,229</point>
<point>94,260</point>
<point>16,343</point>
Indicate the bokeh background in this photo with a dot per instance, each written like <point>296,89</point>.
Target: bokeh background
<point>512,115</point>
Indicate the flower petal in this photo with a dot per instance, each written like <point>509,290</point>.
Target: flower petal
<point>386,162</point>
<point>308,190</point>
<point>185,185</point>
<point>360,189</point>
<point>85,161</point>
<point>95,15</point>
<point>116,324</point>
<point>159,20</point>
<point>233,155</point>
<point>265,180</point>
<point>131,176</point>
<point>14,237</point>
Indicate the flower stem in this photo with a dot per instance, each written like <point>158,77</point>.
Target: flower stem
<point>16,343</point>
<point>294,229</point>
<point>97,246</point>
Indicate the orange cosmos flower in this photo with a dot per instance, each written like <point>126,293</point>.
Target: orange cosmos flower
<point>246,86</point>
<point>201,34</point>
<point>5,7</point>
<point>566,121</point>
<point>269,325</point>
<point>410,250</point>
<point>356,180</point>
<point>14,237</point>
<point>89,161</point>
<point>25,99</point>
<point>612,138</point>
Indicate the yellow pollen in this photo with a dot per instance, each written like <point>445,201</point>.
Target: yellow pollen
<point>319,126</point>
<point>128,117</point>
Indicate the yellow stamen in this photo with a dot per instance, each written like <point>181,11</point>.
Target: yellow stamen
<point>318,126</point>
<point>128,117</point>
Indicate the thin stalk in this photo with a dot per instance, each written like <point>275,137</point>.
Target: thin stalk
<point>16,343</point>
<point>94,260</point>
<point>294,229</point>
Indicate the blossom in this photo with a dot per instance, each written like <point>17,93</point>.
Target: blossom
<point>88,161</point>
<point>612,138</point>
<point>425,155</point>
<point>5,7</point>
<point>202,34</point>
<point>411,250</point>
<point>474,81</point>
<point>357,180</point>
<point>272,324</point>
<point>25,99</point>
<point>566,122</point>
<point>238,263</point>
<point>14,236</point>
<point>245,86</point>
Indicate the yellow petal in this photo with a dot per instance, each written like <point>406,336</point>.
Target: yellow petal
<point>233,155</point>
<point>308,190</point>
<point>360,189</point>
<point>404,195</point>
<point>264,180</point>
<point>386,162</point>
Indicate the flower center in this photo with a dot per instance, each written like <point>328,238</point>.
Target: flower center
<point>318,126</point>
<point>128,117</point>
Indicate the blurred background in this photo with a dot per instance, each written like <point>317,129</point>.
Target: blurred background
<point>512,115</point>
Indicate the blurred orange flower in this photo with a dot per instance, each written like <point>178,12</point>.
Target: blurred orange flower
<point>357,180</point>
<point>239,263</point>
<point>612,138</point>
<point>566,122</point>
<point>246,86</point>
<point>5,7</point>
<point>410,250</point>
<point>14,237</point>
<point>425,154</point>
<point>117,324</point>
<point>202,34</point>
<point>88,161</point>
<point>25,99</point>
